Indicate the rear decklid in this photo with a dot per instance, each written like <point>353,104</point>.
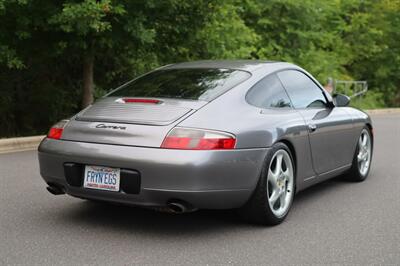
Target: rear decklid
<point>110,121</point>
<point>116,110</point>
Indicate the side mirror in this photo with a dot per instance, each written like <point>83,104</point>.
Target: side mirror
<point>341,100</point>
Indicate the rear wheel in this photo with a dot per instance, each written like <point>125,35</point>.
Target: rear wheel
<point>362,157</point>
<point>274,193</point>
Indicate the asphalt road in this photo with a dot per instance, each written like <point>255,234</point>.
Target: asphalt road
<point>332,223</point>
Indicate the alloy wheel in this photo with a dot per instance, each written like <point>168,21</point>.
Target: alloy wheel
<point>364,152</point>
<point>280,185</point>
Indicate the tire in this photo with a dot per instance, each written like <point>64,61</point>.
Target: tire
<point>263,207</point>
<point>359,171</point>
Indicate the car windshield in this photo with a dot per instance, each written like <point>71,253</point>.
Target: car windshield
<point>195,84</point>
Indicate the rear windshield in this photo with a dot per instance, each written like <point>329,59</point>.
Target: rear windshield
<point>195,84</point>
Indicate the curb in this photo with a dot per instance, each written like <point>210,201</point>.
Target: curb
<point>20,144</point>
<point>383,111</point>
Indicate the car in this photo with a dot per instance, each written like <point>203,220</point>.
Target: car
<point>240,134</point>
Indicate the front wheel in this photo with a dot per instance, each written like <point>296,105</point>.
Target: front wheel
<point>362,157</point>
<point>275,190</point>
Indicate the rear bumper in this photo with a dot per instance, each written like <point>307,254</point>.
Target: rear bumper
<point>205,179</point>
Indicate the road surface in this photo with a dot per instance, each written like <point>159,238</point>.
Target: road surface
<point>332,223</point>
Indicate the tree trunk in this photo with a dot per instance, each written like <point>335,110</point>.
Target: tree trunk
<point>87,97</point>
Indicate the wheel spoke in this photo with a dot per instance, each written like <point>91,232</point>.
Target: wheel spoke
<point>362,165</point>
<point>282,200</point>
<point>359,156</point>
<point>278,167</point>
<point>273,178</point>
<point>274,197</point>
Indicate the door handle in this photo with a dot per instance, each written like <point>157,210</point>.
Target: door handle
<point>312,127</point>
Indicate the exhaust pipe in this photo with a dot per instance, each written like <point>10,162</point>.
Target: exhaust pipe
<point>55,190</point>
<point>179,206</point>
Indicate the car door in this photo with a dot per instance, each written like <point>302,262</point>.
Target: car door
<point>329,128</point>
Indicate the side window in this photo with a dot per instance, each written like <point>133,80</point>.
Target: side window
<point>303,92</point>
<point>268,93</point>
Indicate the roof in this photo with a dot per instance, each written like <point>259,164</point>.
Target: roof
<point>247,65</point>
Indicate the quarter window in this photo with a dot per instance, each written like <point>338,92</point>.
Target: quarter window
<point>303,92</point>
<point>268,93</point>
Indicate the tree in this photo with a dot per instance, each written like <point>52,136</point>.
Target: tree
<point>95,27</point>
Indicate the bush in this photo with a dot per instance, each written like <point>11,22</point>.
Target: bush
<point>371,100</point>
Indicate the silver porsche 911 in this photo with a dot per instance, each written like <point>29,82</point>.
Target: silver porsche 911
<point>209,134</point>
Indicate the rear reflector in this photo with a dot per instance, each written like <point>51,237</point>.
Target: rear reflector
<point>198,139</point>
<point>56,131</point>
<point>139,100</point>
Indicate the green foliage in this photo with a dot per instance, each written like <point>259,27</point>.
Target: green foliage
<point>87,17</point>
<point>225,35</point>
<point>43,45</point>
<point>9,58</point>
<point>372,100</point>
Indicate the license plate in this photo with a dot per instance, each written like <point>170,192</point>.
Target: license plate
<point>100,177</point>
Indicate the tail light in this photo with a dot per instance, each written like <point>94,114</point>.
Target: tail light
<point>198,139</point>
<point>55,131</point>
